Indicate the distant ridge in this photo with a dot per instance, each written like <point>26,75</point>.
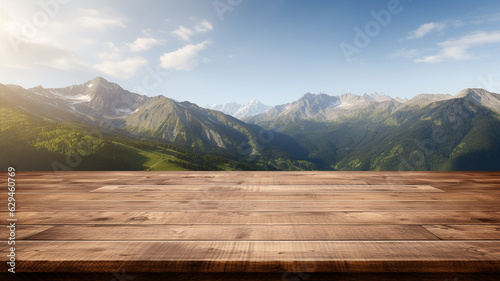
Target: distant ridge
<point>241,111</point>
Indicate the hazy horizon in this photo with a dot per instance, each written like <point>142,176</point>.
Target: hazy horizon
<point>251,100</point>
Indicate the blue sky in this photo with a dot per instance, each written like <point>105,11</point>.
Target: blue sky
<point>220,51</point>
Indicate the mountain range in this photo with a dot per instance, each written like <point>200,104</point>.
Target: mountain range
<point>99,100</point>
<point>315,132</point>
<point>427,132</point>
<point>103,105</point>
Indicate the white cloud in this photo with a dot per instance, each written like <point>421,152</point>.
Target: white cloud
<point>183,33</point>
<point>146,32</point>
<point>94,20</point>
<point>89,12</point>
<point>185,58</point>
<point>143,44</point>
<point>203,26</point>
<point>459,49</point>
<point>456,23</point>
<point>114,52</point>
<point>404,53</point>
<point>490,18</point>
<point>427,28</point>
<point>121,69</point>
<point>65,63</point>
<point>19,52</point>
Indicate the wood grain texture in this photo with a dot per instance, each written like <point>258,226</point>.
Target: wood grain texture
<point>272,218</point>
<point>246,276</point>
<point>463,232</point>
<point>256,225</point>
<point>259,256</point>
<point>255,196</point>
<point>268,188</point>
<point>258,206</point>
<point>23,231</point>
<point>229,232</point>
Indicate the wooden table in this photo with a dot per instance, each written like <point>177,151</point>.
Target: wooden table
<point>254,226</point>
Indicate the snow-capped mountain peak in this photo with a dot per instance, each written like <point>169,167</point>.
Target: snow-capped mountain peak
<point>240,111</point>
<point>252,108</point>
<point>378,97</point>
<point>94,97</point>
<point>228,108</point>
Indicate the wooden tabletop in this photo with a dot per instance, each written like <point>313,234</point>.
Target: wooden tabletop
<point>255,222</point>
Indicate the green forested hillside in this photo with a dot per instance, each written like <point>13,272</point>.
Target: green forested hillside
<point>446,135</point>
<point>29,143</point>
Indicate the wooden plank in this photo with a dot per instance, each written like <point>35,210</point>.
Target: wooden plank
<point>249,276</point>
<point>470,232</point>
<point>89,181</point>
<point>267,188</point>
<point>468,187</point>
<point>23,231</point>
<point>471,179</point>
<point>257,206</point>
<point>220,178</point>
<point>255,196</point>
<point>71,187</point>
<point>65,187</point>
<point>144,218</point>
<point>238,232</point>
<point>282,180</point>
<point>257,256</point>
<point>56,188</point>
<point>278,177</point>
